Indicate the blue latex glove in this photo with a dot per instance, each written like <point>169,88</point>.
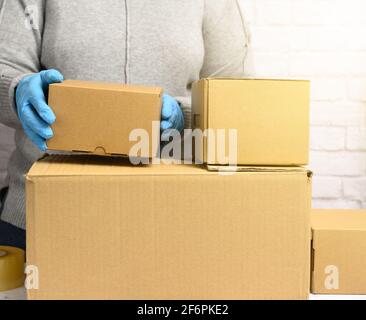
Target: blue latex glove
<point>171,115</point>
<point>34,114</point>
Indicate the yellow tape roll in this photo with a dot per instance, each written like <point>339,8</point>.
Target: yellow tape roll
<point>11,268</point>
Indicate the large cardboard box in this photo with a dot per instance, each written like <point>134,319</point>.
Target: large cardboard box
<point>339,251</point>
<point>97,117</point>
<point>271,118</point>
<point>98,228</point>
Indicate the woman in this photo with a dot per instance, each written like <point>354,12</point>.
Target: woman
<point>166,43</point>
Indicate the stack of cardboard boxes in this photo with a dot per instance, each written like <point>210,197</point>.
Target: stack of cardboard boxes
<point>99,227</point>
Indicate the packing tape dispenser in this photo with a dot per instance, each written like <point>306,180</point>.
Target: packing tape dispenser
<point>11,268</point>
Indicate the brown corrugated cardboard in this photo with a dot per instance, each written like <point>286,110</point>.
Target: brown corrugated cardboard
<point>97,117</point>
<point>98,228</point>
<point>339,251</point>
<point>271,118</point>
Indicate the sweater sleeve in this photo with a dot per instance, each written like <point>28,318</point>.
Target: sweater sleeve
<point>226,43</point>
<point>226,39</point>
<point>21,25</point>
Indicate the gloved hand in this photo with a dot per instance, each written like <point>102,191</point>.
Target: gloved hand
<point>171,115</point>
<point>33,112</point>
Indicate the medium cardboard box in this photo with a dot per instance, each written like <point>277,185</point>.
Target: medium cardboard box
<point>96,117</point>
<point>339,251</point>
<point>100,229</point>
<point>271,118</point>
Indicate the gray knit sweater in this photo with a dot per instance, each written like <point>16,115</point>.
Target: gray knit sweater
<point>167,43</point>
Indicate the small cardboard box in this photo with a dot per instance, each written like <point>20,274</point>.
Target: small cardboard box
<point>339,252</point>
<point>95,117</point>
<point>271,118</point>
<point>100,229</point>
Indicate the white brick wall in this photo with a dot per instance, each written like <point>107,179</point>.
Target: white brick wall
<point>324,41</point>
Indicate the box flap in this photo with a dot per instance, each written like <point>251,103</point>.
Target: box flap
<point>109,86</point>
<point>66,165</point>
<point>88,165</point>
<point>256,79</point>
<point>334,220</point>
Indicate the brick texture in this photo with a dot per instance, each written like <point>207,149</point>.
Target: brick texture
<point>323,41</point>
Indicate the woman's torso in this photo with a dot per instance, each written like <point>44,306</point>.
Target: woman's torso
<point>144,42</point>
<point>135,41</point>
